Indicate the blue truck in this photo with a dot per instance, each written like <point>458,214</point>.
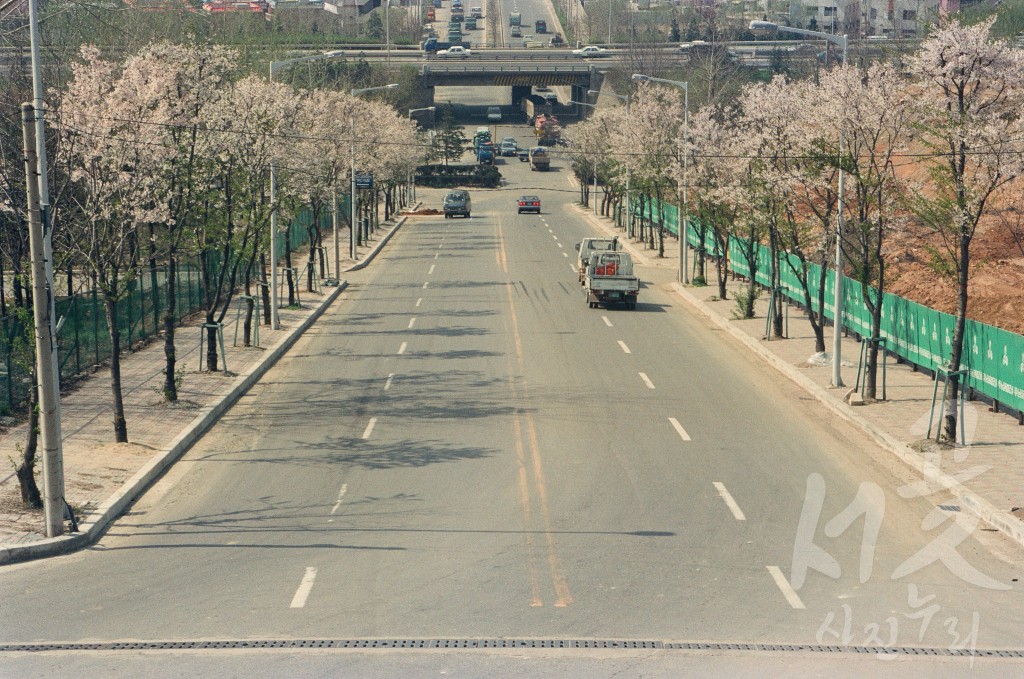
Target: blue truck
<point>433,45</point>
<point>485,153</point>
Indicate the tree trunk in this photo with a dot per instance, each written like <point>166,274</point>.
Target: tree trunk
<point>120,424</point>
<point>170,355</point>
<point>950,416</point>
<point>26,469</point>
<point>288,266</point>
<point>265,289</point>
<point>211,342</point>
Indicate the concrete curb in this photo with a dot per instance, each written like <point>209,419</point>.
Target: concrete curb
<point>379,246</point>
<point>94,525</point>
<point>1008,524</point>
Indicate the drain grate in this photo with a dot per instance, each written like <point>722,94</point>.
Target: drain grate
<point>599,644</point>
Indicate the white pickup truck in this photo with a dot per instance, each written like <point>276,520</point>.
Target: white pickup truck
<point>610,280</point>
<point>587,247</point>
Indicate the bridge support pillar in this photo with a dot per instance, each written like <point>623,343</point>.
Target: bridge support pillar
<point>519,92</point>
<point>579,93</point>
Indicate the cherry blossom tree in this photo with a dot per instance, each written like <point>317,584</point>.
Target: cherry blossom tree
<point>110,114</point>
<point>711,160</point>
<point>771,140</point>
<point>195,78</point>
<point>647,146</point>
<point>972,91</point>
<point>874,110</point>
<point>249,126</point>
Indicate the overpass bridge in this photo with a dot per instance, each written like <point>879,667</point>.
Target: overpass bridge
<point>520,78</point>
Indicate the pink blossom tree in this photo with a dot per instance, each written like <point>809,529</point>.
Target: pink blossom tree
<point>873,108</point>
<point>110,114</point>
<point>972,91</point>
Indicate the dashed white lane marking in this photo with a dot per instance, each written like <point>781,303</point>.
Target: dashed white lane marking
<point>412,322</point>
<point>606,321</point>
<point>565,254</point>
<point>436,255</point>
<point>679,428</point>
<point>418,301</point>
<point>426,284</point>
<point>299,600</point>
<point>387,385</point>
<point>733,507</point>
<point>401,349</point>
<point>787,589</point>
<point>341,495</point>
<point>431,269</point>
<point>571,267</point>
<point>560,245</point>
<point>554,236</point>
<point>647,380</point>
<point>369,427</point>
<point>625,349</point>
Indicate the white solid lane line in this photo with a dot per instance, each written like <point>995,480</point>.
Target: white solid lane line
<point>341,494</point>
<point>387,385</point>
<point>787,589</point>
<point>299,600</point>
<point>679,428</point>
<point>731,503</point>
<point>369,428</point>
<point>412,322</point>
<point>647,380</point>
<point>431,269</point>
<point>401,349</point>
<point>418,301</point>
<point>624,347</point>
<point>606,321</point>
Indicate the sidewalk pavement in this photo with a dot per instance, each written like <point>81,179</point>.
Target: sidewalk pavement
<point>102,478</point>
<point>986,475</point>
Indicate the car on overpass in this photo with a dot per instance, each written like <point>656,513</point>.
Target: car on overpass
<point>494,114</point>
<point>590,52</point>
<point>455,52</point>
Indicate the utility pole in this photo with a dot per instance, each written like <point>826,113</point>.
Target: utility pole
<point>49,393</point>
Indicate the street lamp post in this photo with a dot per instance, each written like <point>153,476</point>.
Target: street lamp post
<point>352,151</point>
<point>275,316</point>
<point>583,103</point>
<point>763,28</point>
<point>684,219</point>
<point>412,176</point>
<point>626,98</point>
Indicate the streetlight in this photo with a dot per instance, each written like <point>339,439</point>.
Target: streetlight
<point>352,150</point>
<point>583,103</point>
<point>763,28</point>
<point>275,66</point>
<point>412,176</point>
<point>684,222</point>
<point>626,98</point>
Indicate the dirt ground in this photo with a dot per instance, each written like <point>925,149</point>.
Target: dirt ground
<point>996,288</point>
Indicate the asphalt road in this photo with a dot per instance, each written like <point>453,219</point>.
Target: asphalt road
<point>462,449</point>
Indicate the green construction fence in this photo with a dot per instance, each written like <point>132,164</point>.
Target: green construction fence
<point>84,341</point>
<point>993,357</point>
